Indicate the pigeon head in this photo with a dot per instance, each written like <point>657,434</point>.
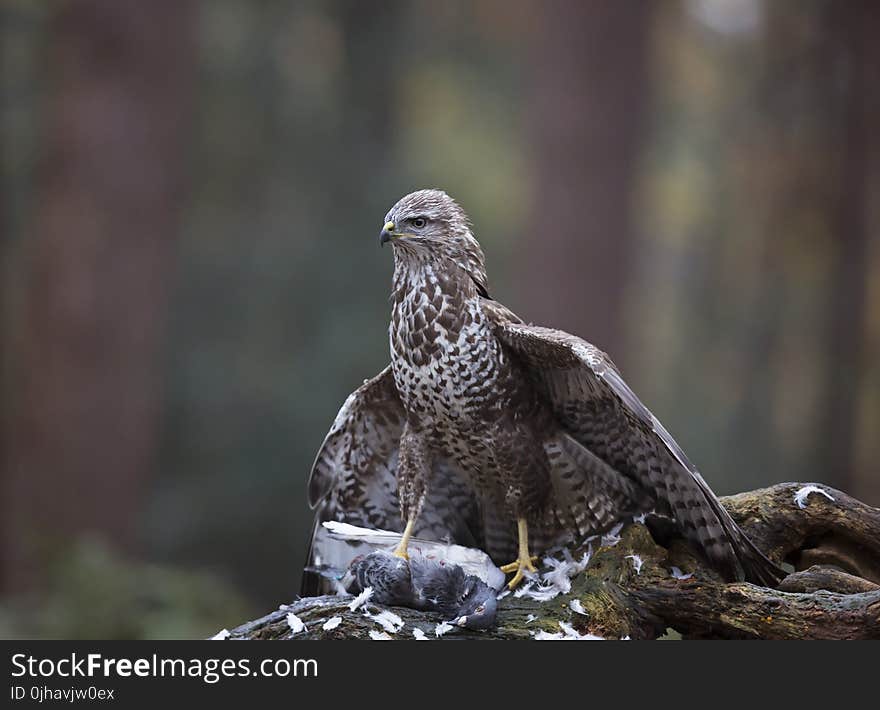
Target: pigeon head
<point>479,607</point>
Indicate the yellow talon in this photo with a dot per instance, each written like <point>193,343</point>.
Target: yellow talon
<point>524,562</point>
<point>400,550</point>
<point>519,566</point>
<point>514,566</point>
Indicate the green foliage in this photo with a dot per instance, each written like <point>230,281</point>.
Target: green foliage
<point>93,592</point>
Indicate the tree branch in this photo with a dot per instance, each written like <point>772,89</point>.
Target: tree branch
<point>833,547</point>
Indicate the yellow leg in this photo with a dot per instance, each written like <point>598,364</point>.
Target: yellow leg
<point>400,550</point>
<point>524,562</point>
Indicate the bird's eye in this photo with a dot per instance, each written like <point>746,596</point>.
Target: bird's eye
<point>419,222</point>
<point>480,609</point>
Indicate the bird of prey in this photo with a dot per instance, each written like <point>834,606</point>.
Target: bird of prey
<point>499,434</point>
<point>428,585</point>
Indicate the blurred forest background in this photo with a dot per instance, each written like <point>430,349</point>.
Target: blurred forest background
<point>191,283</point>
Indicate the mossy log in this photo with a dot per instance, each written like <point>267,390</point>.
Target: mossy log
<point>831,545</point>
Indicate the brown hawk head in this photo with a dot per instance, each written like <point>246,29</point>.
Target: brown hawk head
<point>428,226</point>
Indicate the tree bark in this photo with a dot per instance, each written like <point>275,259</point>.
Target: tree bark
<point>95,280</point>
<point>839,599</point>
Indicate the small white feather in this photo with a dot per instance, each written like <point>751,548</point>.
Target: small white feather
<point>388,620</point>
<point>221,635</point>
<point>295,623</point>
<point>637,562</point>
<point>442,628</point>
<point>523,590</point>
<point>361,599</point>
<point>542,592</point>
<point>678,574</point>
<point>568,629</point>
<point>530,618</point>
<point>572,634</point>
<point>379,635</point>
<point>547,636</point>
<point>559,575</point>
<point>420,635</point>
<point>332,623</point>
<point>800,497</point>
<point>612,537</point>
<point>576,606</point>
<point>556,579</point>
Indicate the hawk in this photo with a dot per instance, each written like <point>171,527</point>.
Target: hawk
<point>498,434</point>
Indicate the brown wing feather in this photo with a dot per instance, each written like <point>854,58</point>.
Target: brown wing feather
<point>357,460</point>
<point>354,479</point>
<point>602,413</point>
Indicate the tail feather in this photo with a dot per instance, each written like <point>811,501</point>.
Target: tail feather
<point>589,495</point>
<point>724,542</point>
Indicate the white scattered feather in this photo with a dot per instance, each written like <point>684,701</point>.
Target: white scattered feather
<point>556,579</point>
<point>612,537</point>
<point>331,624</point>
<point>461,621</point>
<point>800,497</point>
<point>379,635</point>
<point>558,574</point>
<point>523,590</point>
<point>542,592</point>
<point>568,633</point>
<point>420,635</point>
<point>626,638</point>
<point>547,636</point>
<point>576,606</point>
<point>643,516</point>
<point>295,623</point>
<point>578,567</point>
<point>221,635</point>
<point>678,574</point>
<point>361,599</point>
<point>530,618</point>
<point>503,594</point>
<point>574,635</point>
<point>442,628</point>
<point>567,629</point>
<point>392,617</point>
<point>637,562</point>
<point>388,620</point>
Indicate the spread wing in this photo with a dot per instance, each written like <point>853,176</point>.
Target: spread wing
<point>354,470</point>
<point>598,409</point>
<point>354,480</point>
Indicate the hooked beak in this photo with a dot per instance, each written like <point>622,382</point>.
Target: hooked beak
<point>387,233</point>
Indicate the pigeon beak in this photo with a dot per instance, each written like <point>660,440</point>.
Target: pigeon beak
<point>387,233</point>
